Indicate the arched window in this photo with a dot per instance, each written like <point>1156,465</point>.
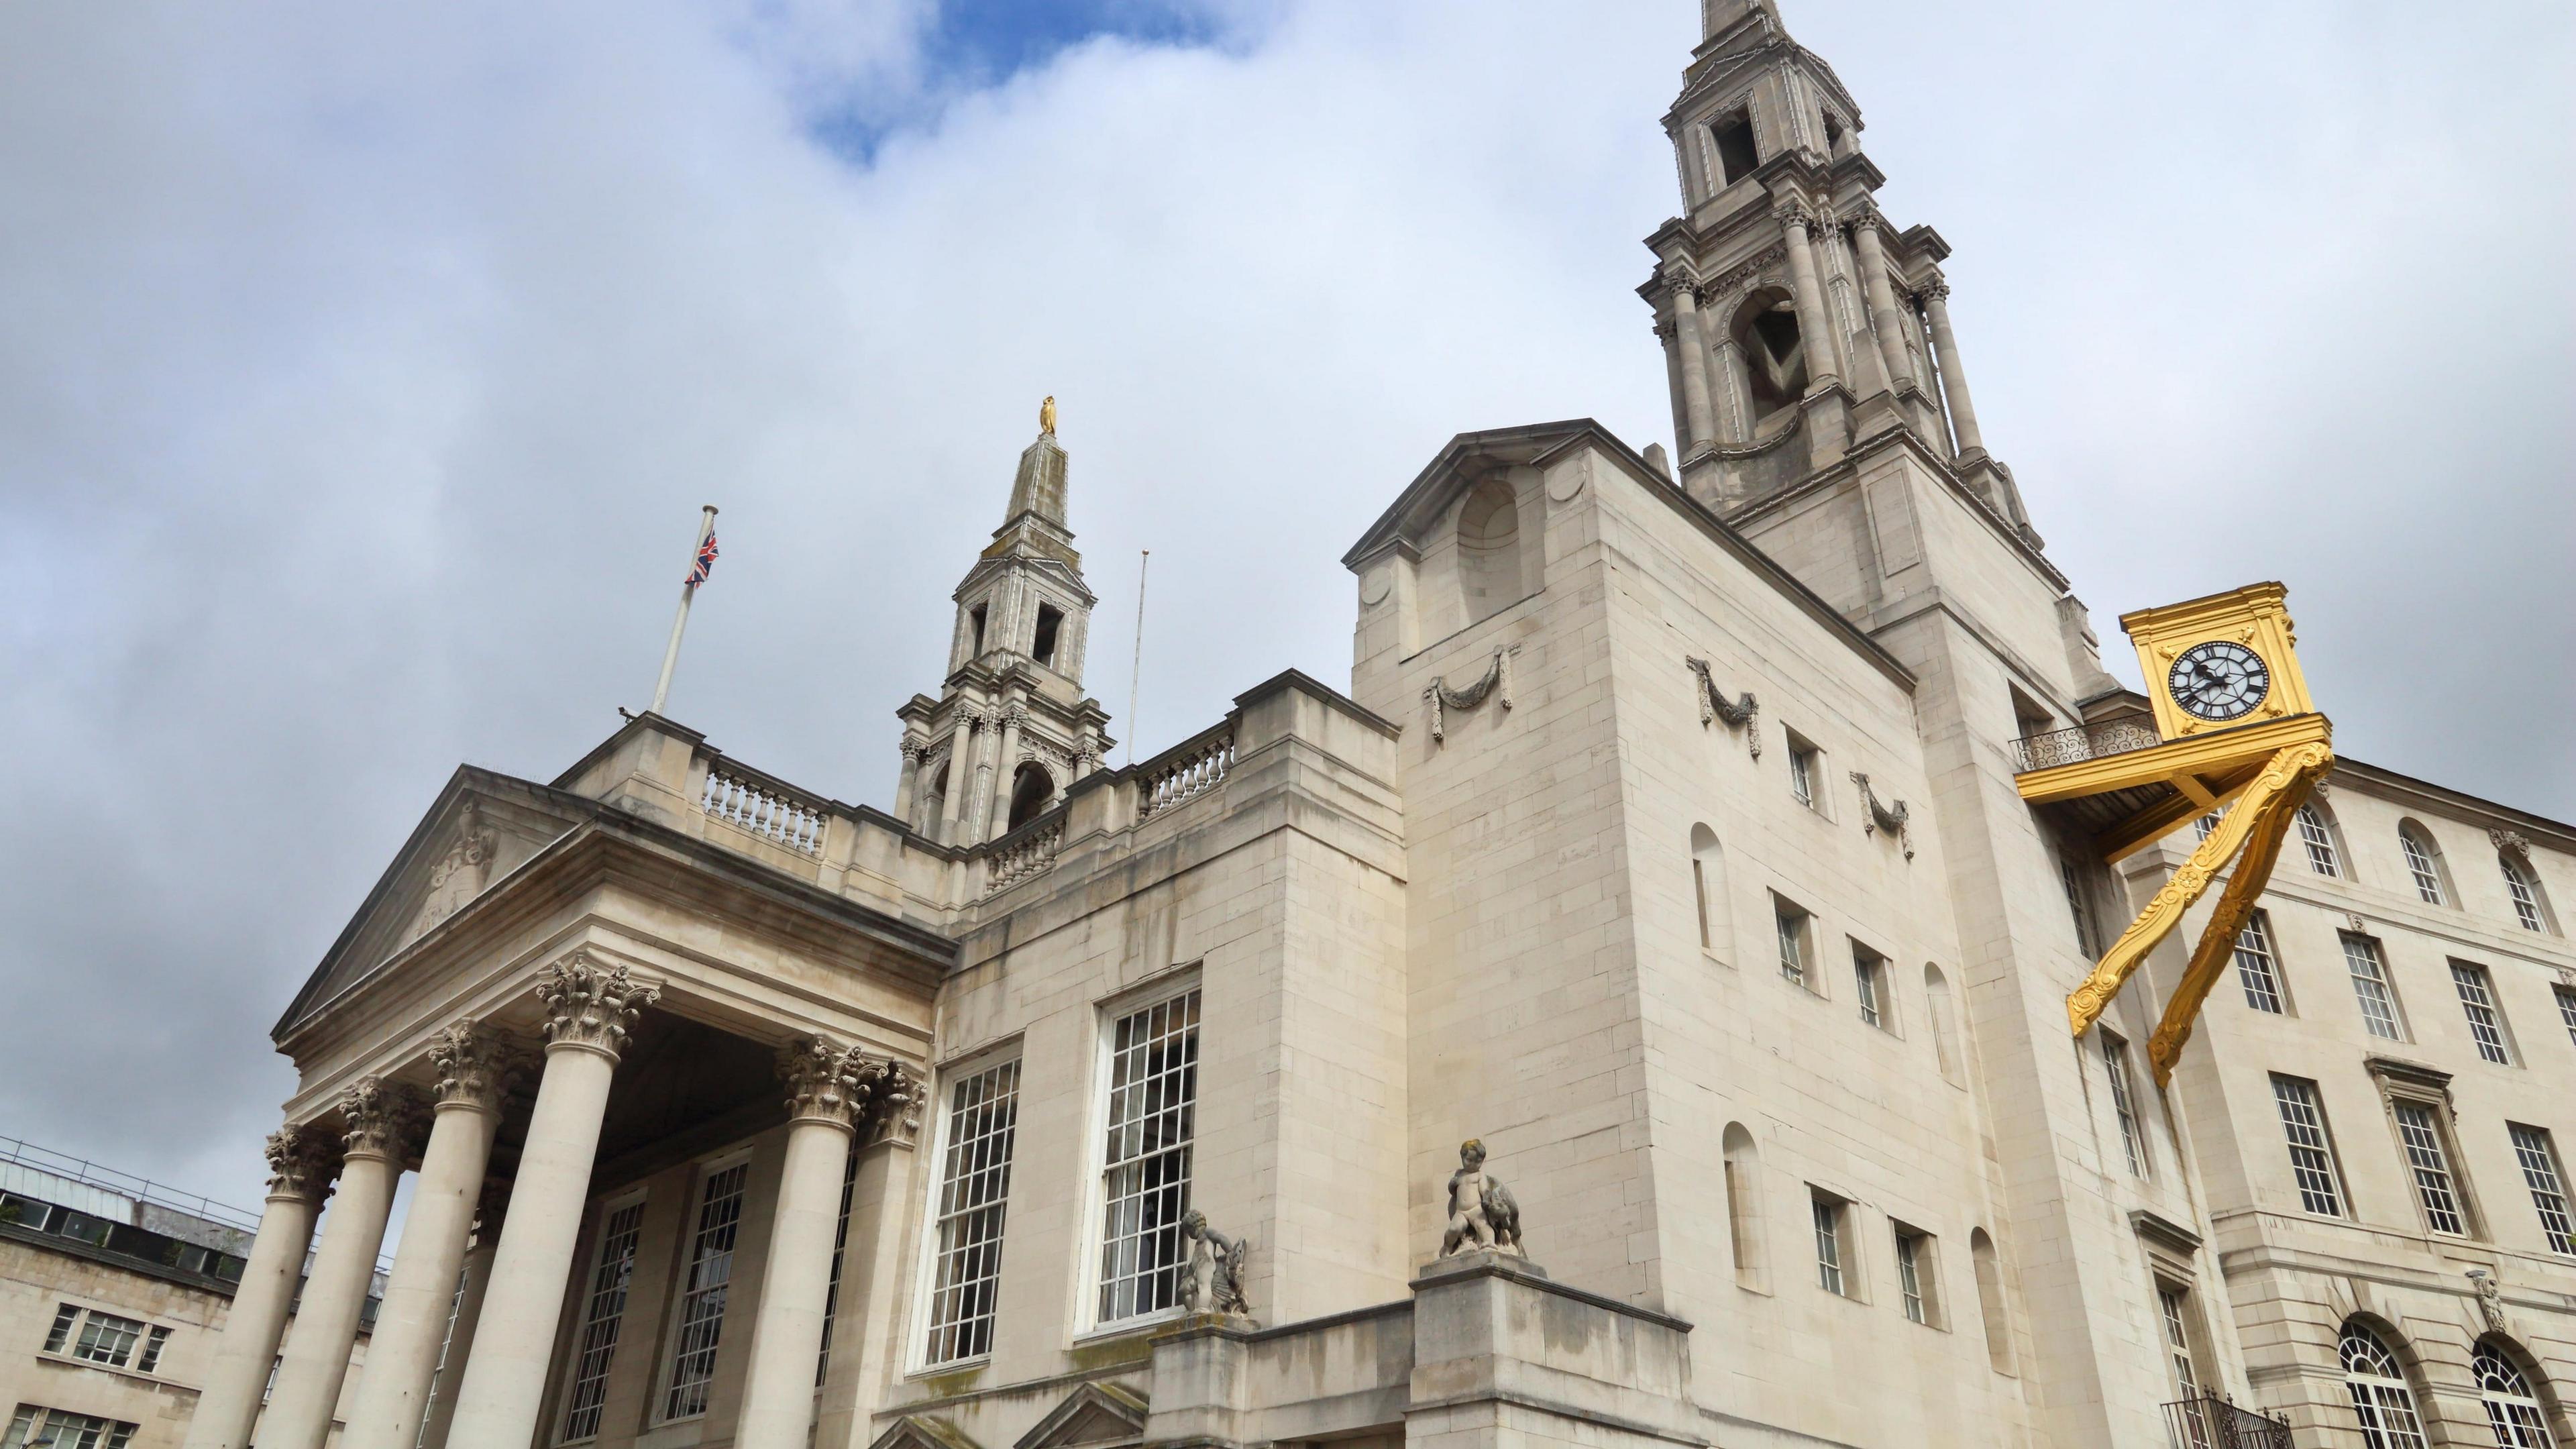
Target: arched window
<point>2318,837</point>
<point>1489,548</point>
<point>1775,357</point>
<point>1945,1030</point>
<point>1744,1205</point>
<point>2380,1396</point>
<point>1990,1301</point>
<point>2513,1410</point>
<point>2423,862</point>
<point>1708,887</point>
<point>933,803</point>
<point>2529,906</point>
<point>1032,791</point>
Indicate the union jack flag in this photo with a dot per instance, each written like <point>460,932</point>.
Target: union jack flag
<point>706,563</point>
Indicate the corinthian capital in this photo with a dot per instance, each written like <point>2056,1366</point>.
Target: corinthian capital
<point>380,1118</point>
<point>1679,282</point>
<point>826,1082</point>
<point>912,750</point>
<point>895,1114</point>
<point>588,1006</point>
<point>475,1066</point>
<point>301,1161</point>
<point>1933,290</point>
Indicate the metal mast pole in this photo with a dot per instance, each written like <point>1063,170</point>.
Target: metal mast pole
<point>1136,667</point>
<point>680,621</point>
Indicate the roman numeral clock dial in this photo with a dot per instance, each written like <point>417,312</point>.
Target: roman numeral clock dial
<point>2219,681</point>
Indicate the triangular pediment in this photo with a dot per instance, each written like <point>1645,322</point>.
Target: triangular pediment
<point>921,1431</point>
<point>482,826</point>
<point>1061,573</point>
<point>1096,1413</point>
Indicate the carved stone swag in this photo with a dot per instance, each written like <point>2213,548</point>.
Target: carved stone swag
<point>1497,682</point>
<point>1738,713</point>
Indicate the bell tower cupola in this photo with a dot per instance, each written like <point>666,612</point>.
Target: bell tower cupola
<point>1011,727</point>
<point>1798,322</point>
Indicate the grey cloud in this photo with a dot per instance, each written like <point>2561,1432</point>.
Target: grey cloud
<point>365,372</point>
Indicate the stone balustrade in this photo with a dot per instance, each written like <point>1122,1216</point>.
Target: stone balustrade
<point>1185,771</point>
<point>770,809</point>
<point>1024,852</point>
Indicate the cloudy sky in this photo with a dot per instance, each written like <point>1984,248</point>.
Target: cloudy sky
<point>362,372</point>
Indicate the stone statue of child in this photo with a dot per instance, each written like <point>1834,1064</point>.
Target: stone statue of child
<point>1212,1280</point>
<point>1482,1213</point>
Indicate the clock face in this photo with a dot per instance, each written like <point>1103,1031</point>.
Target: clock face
<point>2219,680</point>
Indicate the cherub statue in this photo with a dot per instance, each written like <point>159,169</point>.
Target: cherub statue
<point>1482,1213</point>
<point>1212,1281</point>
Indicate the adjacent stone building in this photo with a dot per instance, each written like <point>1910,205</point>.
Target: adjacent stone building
<point>114,1292</point>
<point>1665,843</point>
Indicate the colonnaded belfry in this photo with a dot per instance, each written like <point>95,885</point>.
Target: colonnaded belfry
<point>1730,841</point>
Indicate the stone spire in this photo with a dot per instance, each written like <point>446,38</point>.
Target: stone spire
<point>1011,727</point>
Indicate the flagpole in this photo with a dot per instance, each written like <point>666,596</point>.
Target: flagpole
<point>680,621</point>
<point>1136,669</point>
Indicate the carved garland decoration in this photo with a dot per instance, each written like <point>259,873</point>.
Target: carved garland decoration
<point>1875,817</point>
<point>1497,682</point>
<point>1713,704</point>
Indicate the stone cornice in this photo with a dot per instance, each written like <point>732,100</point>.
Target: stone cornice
<point>1848,466</point>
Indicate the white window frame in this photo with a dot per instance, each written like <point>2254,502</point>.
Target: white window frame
<point>666,1373</point>
<point>1087,1259</point>
<point>2432,1163</point>
<point>1794,925</point>
<point>2311,1099</point>
<point>2377,959</point>
<point>1873,988</point>
<point>2258,967</point>
<point>1829,1217</point>
<point>585,1289</point>
<point>2316,834</point>
<point>2423,866</point>
<point>2474,984</point>
<point>1806,769</point>
<point>2522,885</point>
<point>2536,1153</point>
<point>2124,1105</point>
<point>926,1278</point>
<point>78,1326</point>
<point>2565,996</point>
<point>95,1431</point>
<point>1918,1275</point>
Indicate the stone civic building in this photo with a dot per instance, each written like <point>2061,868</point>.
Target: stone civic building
<point>1665,841</point>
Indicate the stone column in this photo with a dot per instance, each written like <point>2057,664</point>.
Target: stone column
<point>905,782</point>
<point>961,773</point>
<point>411,1327</point>
<point>882,1200</point>
<point>301,1161</point>
<point>1005,775</point>
<point>1731,395</point>
<point>827,1085</point>
<point>382,1119</point>
<point>1882,302</point>
<point>469,1312</point>
<point>1694,350</point>
<point>1815,329</point>
<point>589,1010</point>
<point>1954,379</point>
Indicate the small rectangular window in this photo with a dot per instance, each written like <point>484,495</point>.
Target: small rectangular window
<point>2566,1009</point>
<point>2256,970</point>
<point>1145,1177</point>
<point>1917,1276</point>
<point>595,1347</point>
<point>1869,984</point>
<point>1802,771</point>
<point>2133,1134</point>
<point>703,1291</point>
<point>974,1195</point>
<point>1828,1213</point>
<point>2370,986</point>
<point>108,1339</point>
<point>2538,1155</point>
<point>61,1336</point>
<point>2077,906</point>
<point>2312,1162</point>
<point>2477,1003</point>
<point>2422,1138</point>
<point>152,1346</point>
<point>1792,927</point>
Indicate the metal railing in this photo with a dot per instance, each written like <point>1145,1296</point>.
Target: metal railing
<point>125,1185</point>
<point>2084,742</point>
<point>2214,1423</point>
